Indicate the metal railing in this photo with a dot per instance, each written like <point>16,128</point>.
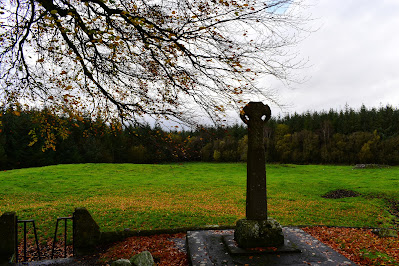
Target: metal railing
<point>65,236</point>
<point>25,222</point>
<point>25,242</point>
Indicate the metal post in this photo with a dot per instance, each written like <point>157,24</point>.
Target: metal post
<point>37,241</point>
<point>73,236</point>
<point>24,240</point>
<point>65,238</point>
<point>55,239</point>
<point>16,240</point>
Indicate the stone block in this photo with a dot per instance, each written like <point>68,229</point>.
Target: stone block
<point>258,233</point>
<point>7,236</point>
<point>86,232</point>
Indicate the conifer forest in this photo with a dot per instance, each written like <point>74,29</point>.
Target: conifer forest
<point>349,136</point>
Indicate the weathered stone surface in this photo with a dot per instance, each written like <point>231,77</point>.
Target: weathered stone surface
<point>258,233</point>
<point>7,236</point>
<point>205,248</point>
<point>385,232</point>
<point>255,115</point>
<point>143,259</point>
<point>121,262</point>
<point>257,230</point>
<point>86,232</point>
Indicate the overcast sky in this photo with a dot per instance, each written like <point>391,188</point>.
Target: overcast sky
<point>353,57</point>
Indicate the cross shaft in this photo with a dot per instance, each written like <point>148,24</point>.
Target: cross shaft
<point>255,115</point>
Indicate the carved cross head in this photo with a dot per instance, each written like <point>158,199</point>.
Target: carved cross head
<point>255,112</point>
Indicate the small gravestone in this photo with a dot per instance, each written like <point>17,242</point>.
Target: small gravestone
<point>257,230</point>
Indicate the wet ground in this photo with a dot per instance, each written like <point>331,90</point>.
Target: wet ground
<point>211,247</point>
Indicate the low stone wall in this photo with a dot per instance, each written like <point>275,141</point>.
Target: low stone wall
<point>86,233</point>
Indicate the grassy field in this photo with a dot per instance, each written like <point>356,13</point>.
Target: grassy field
<point>195,194</point>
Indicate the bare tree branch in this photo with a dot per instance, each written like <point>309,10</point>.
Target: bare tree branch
<point>135,58</point>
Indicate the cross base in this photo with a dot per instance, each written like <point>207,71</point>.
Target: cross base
<point>258,233</point>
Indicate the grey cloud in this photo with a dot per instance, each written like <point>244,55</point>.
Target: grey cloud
<point>353,57</point>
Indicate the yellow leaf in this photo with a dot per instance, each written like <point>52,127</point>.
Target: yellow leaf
<point>16,113</point>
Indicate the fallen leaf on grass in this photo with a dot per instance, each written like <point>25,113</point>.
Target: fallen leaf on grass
<point>162,248</point>
<point>359,245</point>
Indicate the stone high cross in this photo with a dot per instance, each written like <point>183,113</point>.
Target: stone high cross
<point>255,115</point>
<point>257,230</point>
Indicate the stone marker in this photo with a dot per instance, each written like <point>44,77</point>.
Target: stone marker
<point>257,230</point>
<point>8,223</point>
<point>86,232</point>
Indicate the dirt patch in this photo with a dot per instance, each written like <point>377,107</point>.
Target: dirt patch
<point>340,193</point>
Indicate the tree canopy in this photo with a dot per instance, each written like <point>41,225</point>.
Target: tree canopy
<point>163,58</point>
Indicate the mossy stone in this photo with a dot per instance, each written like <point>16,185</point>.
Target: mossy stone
<point>385,232</point>
<point>143,259</point>
<point>258,233</point>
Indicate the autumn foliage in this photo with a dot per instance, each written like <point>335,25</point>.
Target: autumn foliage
<point>138,59</point>
<point>162,248</point>
<point>359,245</point>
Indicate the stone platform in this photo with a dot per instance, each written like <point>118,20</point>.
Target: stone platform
<point>217,247</point>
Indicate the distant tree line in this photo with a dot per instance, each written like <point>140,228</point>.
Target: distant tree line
<point>335,137</point>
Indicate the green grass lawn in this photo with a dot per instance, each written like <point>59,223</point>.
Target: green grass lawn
<point>195,194</point>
